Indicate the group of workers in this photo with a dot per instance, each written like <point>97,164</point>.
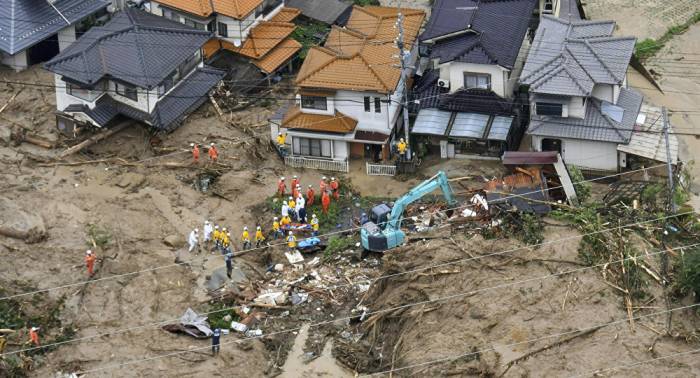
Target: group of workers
<point>213,152</point>
<point>297,204</point>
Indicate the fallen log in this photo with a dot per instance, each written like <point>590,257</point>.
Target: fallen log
<point>106,133</point>
<point>38,141</point>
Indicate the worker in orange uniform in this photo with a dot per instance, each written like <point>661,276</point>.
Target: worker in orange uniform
<point>323,186</point>
<point>325,201</point>
<point>310,195</point>
<point>335,187</point>
<point>295,191</point>
<point>195,152</point>
<point>34,336</point>
<point>281,187</point>
<point>213,153</point>
<point>90,262</point>
<point>295,182</point>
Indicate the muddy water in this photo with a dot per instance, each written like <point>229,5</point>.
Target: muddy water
<point>323,366</point>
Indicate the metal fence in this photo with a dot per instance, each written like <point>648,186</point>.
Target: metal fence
<point>320,164</point>
<point>381,170</point>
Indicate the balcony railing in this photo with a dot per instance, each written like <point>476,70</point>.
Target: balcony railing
<point>381,170</point>
<point>319,164</point>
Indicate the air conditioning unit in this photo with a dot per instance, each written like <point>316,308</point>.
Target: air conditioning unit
<point>443,83</point>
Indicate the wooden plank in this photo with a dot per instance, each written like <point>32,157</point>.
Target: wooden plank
<point>96,138</point>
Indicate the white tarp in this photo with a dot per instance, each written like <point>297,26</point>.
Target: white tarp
<point>191,318</point>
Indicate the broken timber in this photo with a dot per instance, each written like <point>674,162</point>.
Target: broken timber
<point>94,139</point>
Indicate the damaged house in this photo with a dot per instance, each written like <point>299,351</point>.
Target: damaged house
<point>137,66</point>
<point>580,105</point>
<point>349,92</point>
<point>472,53</point>
<point>257,31</point>
<point>34,31</point>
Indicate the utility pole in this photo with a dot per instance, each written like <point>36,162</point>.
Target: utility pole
<point>670,208</point>
<point>404,78</point>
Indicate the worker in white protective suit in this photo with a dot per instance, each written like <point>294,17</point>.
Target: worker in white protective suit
<point>208,230</point>
<point>193,240</point>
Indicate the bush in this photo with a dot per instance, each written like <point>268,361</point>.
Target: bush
<point>338,244</point>
<point>583,189</point>
<point>689,278</point>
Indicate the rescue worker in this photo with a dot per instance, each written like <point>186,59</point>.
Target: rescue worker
<point>215,341</point>
<point>291,242</point>
<point>90,262</point>
<point>295,191</point>
<point>34,336</point>
<point>325,201</point>
<point>208,229</point>
<point>193,240</point>
<point>216,235</point>
<point>281,140</point>
<point>295,182</point>
<point>401,147</point>
<point>245,238</point>
<point>301,208</point>
<point>285,209</point>
<point>314,225</point>
<point>285,222</point>
<point>259,237</point>
<point>323,186</point>
<point>276,231</point>
<point>310,195</point>
<point>292,208</point>
<point>228,257</point>
<point>281,187</point>
<point>195,152</point>
<point>225,241</point>
<point>335,187</point>
<point>213,153</point>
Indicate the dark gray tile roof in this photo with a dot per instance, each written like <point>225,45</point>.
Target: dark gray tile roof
<point>596,125</point>
<point>482,31</point>
<point>169,111</point>
<point>24,23</point>
<point>326,11</point>
<point>569,58</point>
<point>135,47</point>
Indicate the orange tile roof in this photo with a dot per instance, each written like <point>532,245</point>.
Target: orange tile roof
<point>263,38</point>
<point>363,56</point>
<point>286,14</point>
<point>278,55</point>
<point>237,9</point>
<point>339,123</point>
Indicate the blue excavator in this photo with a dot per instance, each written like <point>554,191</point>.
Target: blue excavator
<point>383,231</point>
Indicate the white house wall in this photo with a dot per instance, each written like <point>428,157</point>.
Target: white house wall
<point>66,37</point>
<point>454,72</point>
<point>351,103</point>
<point>330,106</point>
<point>604,92</point>
<point>577,107</point>
<point>585,153</point>
<point>17,62</point>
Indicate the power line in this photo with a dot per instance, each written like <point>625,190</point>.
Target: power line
<point>284,243</point>
<point>400,307</point>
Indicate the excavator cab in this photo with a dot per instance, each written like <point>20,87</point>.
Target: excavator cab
<point>379,215</point>
<point>373,239</point>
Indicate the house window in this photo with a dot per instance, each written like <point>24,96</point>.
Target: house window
<point>311,147</point>
<point>195,24</point>
<point>548,7</point>
<point>223,29</point>
<point>367,104</point>
<point>477,80</point>
<point>549,109</point>
<point>377,105</point>
<point>84,93</point>
<point>128,91</point>
<point>314,102</point>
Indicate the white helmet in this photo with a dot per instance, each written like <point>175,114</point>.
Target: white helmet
<point>295,176</point>
<point>224,229</point>
<point>282,178</point>
<point>212,144</point>
<point>275,218</point>
<point>258,228</point>
<point>325,178</point>
<point>290,233</point>
<point>313,216</point>
<point>216,227</point>
<point>245,228</point>
<point>332,178</point>
<point>310,186</point>
<point>291,198</point>
<point>89,252</point>
<point>191,144</point>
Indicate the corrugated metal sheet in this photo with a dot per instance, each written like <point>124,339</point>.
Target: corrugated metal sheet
<point>648,140</point>
<point>431,122</point>
<point>469,125</point>
<point>500,128</point>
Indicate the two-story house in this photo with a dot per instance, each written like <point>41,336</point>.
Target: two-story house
<point>34,31</point>
<point>258,30</point>
<point>350,89</point>
<point>138,66</point>
<point>472,54</point>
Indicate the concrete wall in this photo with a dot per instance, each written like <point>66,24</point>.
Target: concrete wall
<point>66,37</point>
<point>17,62</point>
<point>584,153</point>
<point>454,72</point>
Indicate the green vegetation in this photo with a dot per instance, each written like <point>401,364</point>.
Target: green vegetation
<point>218,311</point>
<point>688,266</point>
<point>338,244</point>
<point>97,234</point>
<point>309,34</point>
<point>649,47</point>
<point>363,3</point>
<point>583,189</point>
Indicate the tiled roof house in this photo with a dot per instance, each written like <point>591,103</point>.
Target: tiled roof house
<point>580,104</point>
<point>259,30</point>
<point>472,54</point>
<point>349,88</point>
<point>138,66</point>
<point>34,31</point>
